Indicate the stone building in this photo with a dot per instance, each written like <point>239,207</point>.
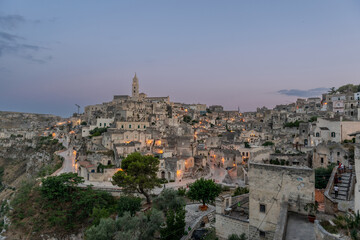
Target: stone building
<point>294,186</point>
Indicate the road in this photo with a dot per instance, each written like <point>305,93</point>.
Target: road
<point>69,164</point>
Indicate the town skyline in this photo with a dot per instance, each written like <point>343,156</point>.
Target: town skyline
<point>235,54</point>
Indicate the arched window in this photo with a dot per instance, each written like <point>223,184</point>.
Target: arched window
<point>317,134</point>
<point>333,134</point>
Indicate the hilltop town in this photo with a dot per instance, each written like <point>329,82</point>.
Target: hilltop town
<point>273,168</point>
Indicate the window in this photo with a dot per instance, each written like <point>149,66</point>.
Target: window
<point>262,208</point>
<point>138,126</point>
<point>322,160</point>
<point>144,126</point>
<point>262,234</point>
<point>317,134</point>
<point>338,153</point>
<point>129,125</point>
<point>333,134</point>
<point>100,124</point>
<point>104,124</point>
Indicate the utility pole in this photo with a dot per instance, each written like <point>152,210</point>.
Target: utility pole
<point>78,107</point>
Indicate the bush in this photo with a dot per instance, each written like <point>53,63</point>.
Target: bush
<point>169,199</point>
<point>292,124</point>
<point>322,176</point>
<point>129,204</point>
<point>97,132</point>
<point>240,191</point>
<point>268,143</point>
<point>181,191</point>
<point>163,180</point>
<point>328,227</point>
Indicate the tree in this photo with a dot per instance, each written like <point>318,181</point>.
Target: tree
<point>139,173</point>
<point>140,227</point>
<point>175,225</point>
<point>104,231</point>
<point>98,214</point>
<point>60,187</point>
<point>129,204</point>
<point>332,90</point>
<point>204,190</point>
<point>169,199</point>
<point>322,176</point>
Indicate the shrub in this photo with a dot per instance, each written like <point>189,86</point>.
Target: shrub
<point>268,143</point>
<point>240,191</point>
<point>129,204</point>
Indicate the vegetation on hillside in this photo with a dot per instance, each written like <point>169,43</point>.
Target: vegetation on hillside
<point>58,205</point>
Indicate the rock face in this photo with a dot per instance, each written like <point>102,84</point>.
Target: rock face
<point>24,152</point>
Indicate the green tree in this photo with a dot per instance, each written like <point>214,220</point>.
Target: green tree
<point>129,204</point>
<point>175,225</point>
<point>139,173</point>
<point>169,199</point>
<point>139,227</point>
<point>322,176</point>
<point>60,187</point>
<point>332,90</point>
<point>104,231</point>
<point>204,190</point>
<point>99,213</point>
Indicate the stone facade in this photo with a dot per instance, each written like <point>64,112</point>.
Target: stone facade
<point>277,184</point>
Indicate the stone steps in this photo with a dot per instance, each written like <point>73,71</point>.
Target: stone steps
<point>343,187</point>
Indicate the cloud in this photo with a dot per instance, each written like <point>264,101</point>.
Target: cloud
<point>11,22</point>
<point>18,45</point>
<point>9,37</point>
<point>315,92</point>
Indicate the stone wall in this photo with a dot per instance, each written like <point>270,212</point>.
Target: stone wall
<point>227,225</point>
<point>271,185</point>
<point>331,205</point>
<point>322,234</point>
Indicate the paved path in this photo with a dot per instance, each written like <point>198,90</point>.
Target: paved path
<point>69,164</point>
<point>193,213</point>
<point>299,228</point>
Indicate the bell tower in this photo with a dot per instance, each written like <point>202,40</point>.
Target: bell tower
<point>135,87</point>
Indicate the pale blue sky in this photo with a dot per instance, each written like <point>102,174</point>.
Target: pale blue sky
<point>54,54</point>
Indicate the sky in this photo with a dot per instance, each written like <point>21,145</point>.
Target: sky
<point>247,54</point>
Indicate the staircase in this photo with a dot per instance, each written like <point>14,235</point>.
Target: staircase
<point>344,186</point>
<point>211,217</point>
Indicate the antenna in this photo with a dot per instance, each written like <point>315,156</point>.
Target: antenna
<point>78,107</point>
